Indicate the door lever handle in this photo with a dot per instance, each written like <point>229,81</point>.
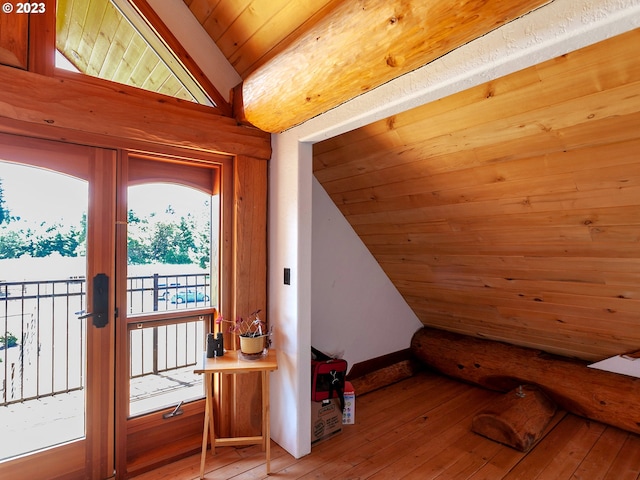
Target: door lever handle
<point>100,314</point>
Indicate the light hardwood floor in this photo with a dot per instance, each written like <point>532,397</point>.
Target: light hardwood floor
<point>420,428</point>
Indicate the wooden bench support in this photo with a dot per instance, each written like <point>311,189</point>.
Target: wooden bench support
<point>518,419</point>
<point>381,371</point>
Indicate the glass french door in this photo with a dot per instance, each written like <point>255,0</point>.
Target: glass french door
<point>167,294</point>
<point>57,229</point>
<point>85,233</point>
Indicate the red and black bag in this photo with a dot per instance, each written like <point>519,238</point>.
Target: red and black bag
<point>327,377</point>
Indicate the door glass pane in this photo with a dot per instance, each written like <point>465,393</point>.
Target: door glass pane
<point>42,289</point>
<point>170,268</point>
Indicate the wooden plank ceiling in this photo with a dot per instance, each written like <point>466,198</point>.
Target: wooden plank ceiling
<point>96,38</point>
<point>250,32</point>
<point>511,210</point>
<point>299,59</point>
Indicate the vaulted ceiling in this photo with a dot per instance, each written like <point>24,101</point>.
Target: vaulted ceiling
<point>99,40</point>
<point>299,58</point>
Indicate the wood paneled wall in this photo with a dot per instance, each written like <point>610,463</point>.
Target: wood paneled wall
<point>14,40</point>
<point>511,210</point>
<point>250,205</point>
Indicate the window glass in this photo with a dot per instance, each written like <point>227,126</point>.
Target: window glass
<point>169,248</point>
<point>42,292</point>
<point>171,264</point>
<point>109,39</point>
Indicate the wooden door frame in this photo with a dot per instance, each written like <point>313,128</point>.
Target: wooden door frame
<point>102,237</point>
<point>193,411</point>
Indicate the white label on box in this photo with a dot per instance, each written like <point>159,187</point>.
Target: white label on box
<point>349,412</point>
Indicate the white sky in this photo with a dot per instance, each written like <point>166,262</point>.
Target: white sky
<point>154,198</point>
<point>35,194</point>
<point>38,195</point>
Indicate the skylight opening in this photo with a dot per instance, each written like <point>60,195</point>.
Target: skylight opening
<point>109,39</point>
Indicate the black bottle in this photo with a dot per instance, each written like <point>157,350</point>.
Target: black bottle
<point>219,350</point>
<point>211,345</point>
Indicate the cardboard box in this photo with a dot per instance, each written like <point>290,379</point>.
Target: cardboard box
<point>349,413</point>
<point>326,420</point>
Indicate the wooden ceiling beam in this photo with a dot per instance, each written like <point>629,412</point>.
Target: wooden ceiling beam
<point>91,107</point>
<point>361,45</point>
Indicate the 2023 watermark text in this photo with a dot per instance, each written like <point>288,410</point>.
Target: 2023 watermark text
<point>24,7</point>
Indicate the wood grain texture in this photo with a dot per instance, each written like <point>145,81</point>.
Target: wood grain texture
<point>14,40</point>
<point>250,273</point>
<point>249,32</point>
<point>185,434</point>
<point>101,246</point>
<point>510,210</point>
<point>42,40</point>
<point>330,63</point>
<point>518,419</point>
<point>99,40</point>
<point>383,377</point>
<point>165,33</point>
<point>420,428</point>
<point>156,119</point>
<point>124,113</point>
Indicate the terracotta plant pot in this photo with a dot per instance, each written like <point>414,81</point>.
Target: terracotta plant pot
<point>252,345</point>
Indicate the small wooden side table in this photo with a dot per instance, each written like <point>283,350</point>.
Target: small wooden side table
<point>233,362</point>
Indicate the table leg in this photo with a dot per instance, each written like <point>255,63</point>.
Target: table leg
<point>212,417</point>
<point>266,433</point>
<point>209,423</point>
<point>205,429</point>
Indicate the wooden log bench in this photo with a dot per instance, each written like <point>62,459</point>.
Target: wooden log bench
<point>595,394</point>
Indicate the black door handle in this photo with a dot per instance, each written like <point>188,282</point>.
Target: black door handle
<point>100,313</point>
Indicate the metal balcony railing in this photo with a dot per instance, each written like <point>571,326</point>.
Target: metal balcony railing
<point>42,340</point>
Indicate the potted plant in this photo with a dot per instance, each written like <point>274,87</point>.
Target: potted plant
<point>251,331</point>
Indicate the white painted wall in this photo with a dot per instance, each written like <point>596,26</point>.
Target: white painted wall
<point>557,28</point>
<point>289,247</point>
<point>356,312</point>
